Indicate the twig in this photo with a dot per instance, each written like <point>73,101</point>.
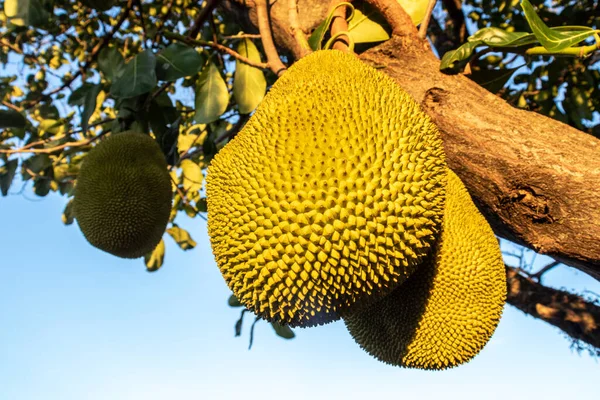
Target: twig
<point>339,25</point>
<point>142,22</point>
<point>395,15</point>
<point>12,106</point>
<point>216,46</point>
<point>11,46</point>
<point>425,22</point>
<point>242,36</point>
<point>101,44</point>
<point>79,143</point>
<point>273,59</point>
<point>163,20</point>
<point>297,33</point>
<point>209,6</point>
<point>227,135</point>
<point>538,275</point>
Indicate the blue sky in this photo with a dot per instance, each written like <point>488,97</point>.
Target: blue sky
<point>77,323</point>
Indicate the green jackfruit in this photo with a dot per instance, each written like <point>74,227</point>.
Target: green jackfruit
<point>123,195</point>
<point>329,196</point>
<point>445,313</point>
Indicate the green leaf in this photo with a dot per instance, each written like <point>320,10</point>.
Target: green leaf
<point>233,301</point>
<point>77,97</point>
<point>35,164</point>
<point>249,84</point>
<point>367,27</point>
<point>182,237</point>
<point>12,119</point>
<point>459,56</point>
<point>415,8</point>
<point>7,173</point>
<point>178,61</point>
<point>26,12</point>
<point>202,205</point>
<point>283,331</point>
<point>41,186</point>
<point>68,215</point>
<point>316,38</point>
<point>164,120</point>
<point>139,76</point>
<point>192,176</point>
<point>154,259</point>
<point>212,96</point>
<point>111,63</point>
<point>551,39</point>
<point>496,37</point>
<point>89,105</point>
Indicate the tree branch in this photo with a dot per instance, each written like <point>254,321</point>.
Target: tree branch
<point>395,15</point>
<point>534,178</point>
<point>456,21</point>
<point>216,46</point>
<point>425,22</point>
<point>578,318</point>
<point>262,14</point>
<point>209,6</point>
<point>295,27</point>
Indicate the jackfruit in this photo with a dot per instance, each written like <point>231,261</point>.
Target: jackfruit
<point>445,313</point>
<point>329,196</point>
<point>123,195</point>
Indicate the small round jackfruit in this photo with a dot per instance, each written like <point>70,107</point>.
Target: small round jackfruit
<point>329,196</point>
<point>123,195</point>
<point>445,313</point>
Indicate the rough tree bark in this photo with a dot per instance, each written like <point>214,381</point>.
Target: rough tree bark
<point>535,179</point>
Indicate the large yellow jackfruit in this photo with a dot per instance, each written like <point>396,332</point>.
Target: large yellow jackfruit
<point>445,313</point>
<point>329,196</point>
<point>123,195</point>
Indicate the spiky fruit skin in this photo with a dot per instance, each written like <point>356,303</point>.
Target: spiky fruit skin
<point>446,312</point>
<point>123,195</point>
<point>329,196</point>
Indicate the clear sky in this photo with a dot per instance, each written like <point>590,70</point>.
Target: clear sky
<point>76,323</point>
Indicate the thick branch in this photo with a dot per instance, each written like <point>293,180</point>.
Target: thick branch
<point>572,314</point>
<point>535,179</point>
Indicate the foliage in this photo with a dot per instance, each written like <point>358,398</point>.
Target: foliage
<point>564,88</point>
<point>73,71</point>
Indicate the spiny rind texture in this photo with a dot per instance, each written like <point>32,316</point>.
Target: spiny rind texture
<point>446,312</point>
<point>329,196</point>
<point>123,195</point>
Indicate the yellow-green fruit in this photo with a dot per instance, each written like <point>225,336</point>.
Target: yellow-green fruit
<point>445,313</point>
<point>123,195</point>
<point>329,196</point>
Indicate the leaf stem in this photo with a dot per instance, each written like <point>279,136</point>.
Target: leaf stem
<point>577,51</point>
